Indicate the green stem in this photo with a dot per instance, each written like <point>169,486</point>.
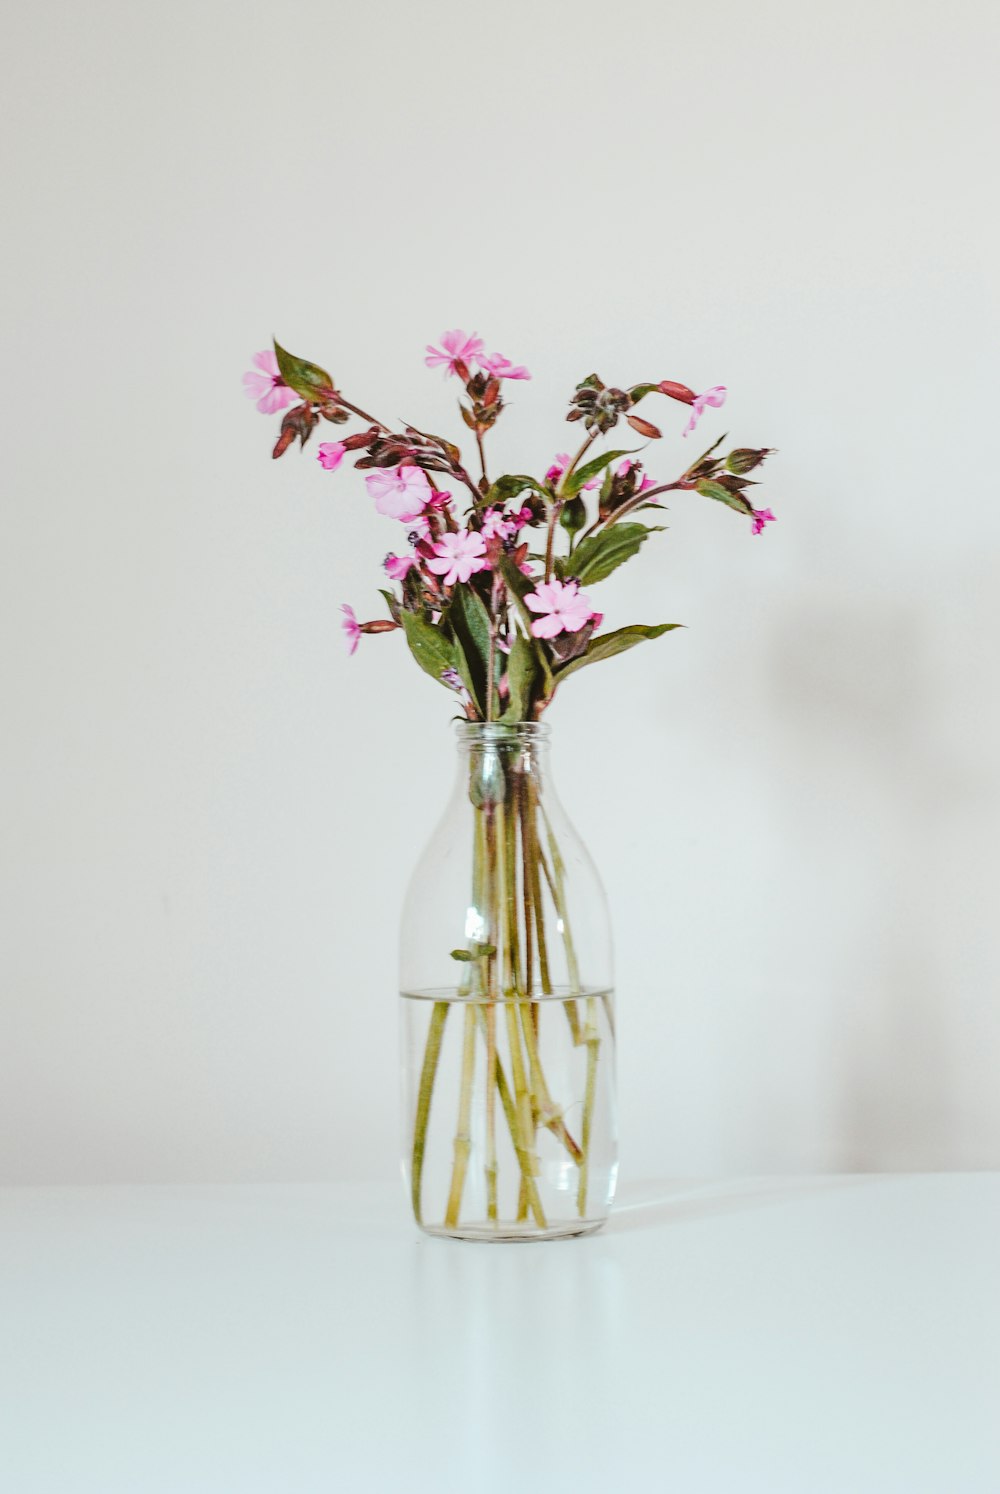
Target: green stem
<point>593,1042</point>
<point>432,1053</point>
<point>529,1187</point>
<point>463,1138</point>
<point>485,848</point>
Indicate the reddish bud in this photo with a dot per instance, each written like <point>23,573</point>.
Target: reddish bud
<point>644,427</point>
<point>382,625</point>
<point>283,442</point>
<point>677,391</point>
<point>359,439</point>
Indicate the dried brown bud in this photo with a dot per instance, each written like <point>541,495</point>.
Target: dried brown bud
<point>382,625</point>
<point>283,442</point>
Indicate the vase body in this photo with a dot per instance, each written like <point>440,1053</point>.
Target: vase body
<point>507,1012</point>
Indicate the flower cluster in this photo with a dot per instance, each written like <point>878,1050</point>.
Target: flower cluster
<point>492,605</point>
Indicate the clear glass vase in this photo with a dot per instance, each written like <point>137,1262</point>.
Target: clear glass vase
<point>510,1128</point>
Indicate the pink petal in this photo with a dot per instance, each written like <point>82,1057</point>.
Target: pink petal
<point>276,398</point>
<point>547,627</point>
<point>256,384</point>
<point>266,360</point>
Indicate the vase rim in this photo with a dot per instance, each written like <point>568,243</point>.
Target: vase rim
<point>502,731</point>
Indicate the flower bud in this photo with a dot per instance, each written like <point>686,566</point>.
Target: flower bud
<point>677,391</point>
<point>574,515</point>
<point>644,427</point>
<point>745,459</point>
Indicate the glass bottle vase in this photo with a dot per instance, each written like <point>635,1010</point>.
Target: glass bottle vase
<point>507,1008</point>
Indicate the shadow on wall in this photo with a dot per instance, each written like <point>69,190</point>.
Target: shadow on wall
<point>857,688</point>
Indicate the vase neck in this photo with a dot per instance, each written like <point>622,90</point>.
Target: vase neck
<point>495,756</point>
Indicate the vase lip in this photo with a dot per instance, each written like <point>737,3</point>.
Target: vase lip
<point>502,731</point>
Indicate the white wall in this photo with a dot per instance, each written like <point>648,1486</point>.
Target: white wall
<point>209,812</point>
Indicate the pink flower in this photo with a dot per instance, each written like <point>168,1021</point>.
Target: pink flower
<point>456,347</point>
<point>330,454</point>
<point>496,525</point>
<point>396,566</point>
<point>716,397</point>
<point>762,516</point>
<point>522,517</point>
<point>268,388</point>
<point>564,608</point>
<point>625,466</point>
<point>458,556</point>
<point>555,472</point>
<point>501,367</point>
<point>352,631</point>
<point>399,492</point>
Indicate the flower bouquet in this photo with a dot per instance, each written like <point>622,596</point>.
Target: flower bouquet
<point>506,984</point>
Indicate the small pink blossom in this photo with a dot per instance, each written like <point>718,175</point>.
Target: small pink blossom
<point>456,347</point>
<point>330,454</point>
<point>562,606</point>
<point>762,516</point>
<point>522,517</point>
<point>500,367</point>
<point>399,492</point>
<point>458,556</point>
<point>396,566</point>
<point>716,397</point>
<point>352,631</point>
<point>555,472</point>
<point>268,388</point>
<point>625,466</point>
<point>496,525</point>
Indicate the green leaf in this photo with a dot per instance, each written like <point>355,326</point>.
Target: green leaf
<point>508,487</point>
<point>522,669</point>
<point>583,474</point>
<point>606,645</point>
<point>709,489</point>
<point>307,379</point>
<point>470,623</point>
<point>477,952</point>
<point>518,584</point>
<point>599,554</point>
<point>431,647</point>
<point>392,602</point>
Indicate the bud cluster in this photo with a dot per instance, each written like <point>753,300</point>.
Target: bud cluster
<point>598,406</point>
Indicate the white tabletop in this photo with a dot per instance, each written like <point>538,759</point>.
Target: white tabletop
<point>800,1335</point>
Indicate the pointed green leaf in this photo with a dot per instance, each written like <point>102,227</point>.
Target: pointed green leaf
<point>307,379</point>
<point>518,584</point>
<point>429,645</point>
<point>470,623</point>
<point>508,487</point>
<point>522,670</point>
<point>709,489</point>
<point>606,645</point>
<point>583,474</point>
<point>599,554</point>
